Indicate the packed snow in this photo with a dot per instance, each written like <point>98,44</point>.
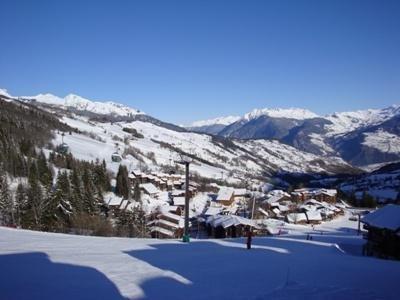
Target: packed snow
<point>37,265</point>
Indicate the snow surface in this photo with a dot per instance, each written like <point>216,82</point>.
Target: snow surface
<point>383,141</point>
<point>289,113</point>
<point>5,93</point>
<point>102,144</point>
<point>84,104</point>
<point>385,217</point>
<point>217,121</point>
<point>344,122</point>
<point>37,265</point>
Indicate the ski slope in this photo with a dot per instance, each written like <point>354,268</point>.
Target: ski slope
<point>38,265</point>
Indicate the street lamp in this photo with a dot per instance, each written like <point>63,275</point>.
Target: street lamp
<point>185,160</point>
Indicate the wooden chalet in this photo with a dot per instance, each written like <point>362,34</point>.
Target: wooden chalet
<point>383,237</point>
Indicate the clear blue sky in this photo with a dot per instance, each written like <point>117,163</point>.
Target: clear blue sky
<point>186,60</point>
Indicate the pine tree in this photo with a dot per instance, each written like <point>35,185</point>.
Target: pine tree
<point>137,195</point>
<point>58,209</point>
<point>44,171</point>
<point>20,204</point>
<point>76,191</point>
<point>89,198</point>
<point>36,199</point>
<point>6,202</point>
<point>122,188</point>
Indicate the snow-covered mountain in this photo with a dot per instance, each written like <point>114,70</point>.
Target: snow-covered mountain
<point>361,137</point>
<point>83,104</point>
<point>345,122</point>
<point>156,145</point>
<point>4,92</point>
<point>287,113</point>
<point>217,121</point>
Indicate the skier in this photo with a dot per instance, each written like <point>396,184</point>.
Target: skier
<point>249,234</point>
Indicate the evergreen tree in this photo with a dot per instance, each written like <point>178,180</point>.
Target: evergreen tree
<point>368,200</point>
<point>44,171</point>
<point>137,195</point>
<point>58,209</point>
<point>89,200</point>
<point>20,204</point>
<point>76,191</point>
<point>122,188</point>
<point>6,202</point>
<point>36,199</point>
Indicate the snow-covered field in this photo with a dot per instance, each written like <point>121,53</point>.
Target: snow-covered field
<point>37,265</point>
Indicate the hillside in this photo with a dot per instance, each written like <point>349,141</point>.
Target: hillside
<point>157,145</point>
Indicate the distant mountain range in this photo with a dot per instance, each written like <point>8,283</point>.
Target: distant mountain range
<point>361,138</point>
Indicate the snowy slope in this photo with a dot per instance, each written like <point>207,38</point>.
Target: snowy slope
<point>288,113</point>
<point>37,265</point>
<point>218,121</point>
<point>383,141</point>
<point>83,104</point>
<point>349,121</point>
<point>161,147</point>
<point>4,92</point>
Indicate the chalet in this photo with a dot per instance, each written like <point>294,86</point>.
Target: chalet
<point>149,189</point>
<point>297,218</point>
<point>326,195</point>
<point>241,194</point>
<point>114,203</point>
<point>179,201</point>
<point>383,237</point>
<point>166,225</point>
<point>313,217</point>
<point>226,196</point>
<point>222,226</point>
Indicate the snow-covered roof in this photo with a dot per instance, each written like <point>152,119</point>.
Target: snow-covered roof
<point>149,188</point>
<point>173,217</point>
<point>296,217</point>
<point>229,220</point>
<point>177,193</point>
<point>240,192</point>
<point>114,201</point>
<point>179,201</point>
<point>314,216</point>
<point>225,194</point>
<point>386,217</point>
<point>274,199</point>
<point>263,212</point>
<point>312,201</point>
<point>211,211</point>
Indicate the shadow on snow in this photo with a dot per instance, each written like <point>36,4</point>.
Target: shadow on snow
<point>34,276</point>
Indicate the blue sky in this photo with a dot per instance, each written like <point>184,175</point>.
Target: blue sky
<point>182,61</point>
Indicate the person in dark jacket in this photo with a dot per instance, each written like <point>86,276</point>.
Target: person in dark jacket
<point>249,237</point>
